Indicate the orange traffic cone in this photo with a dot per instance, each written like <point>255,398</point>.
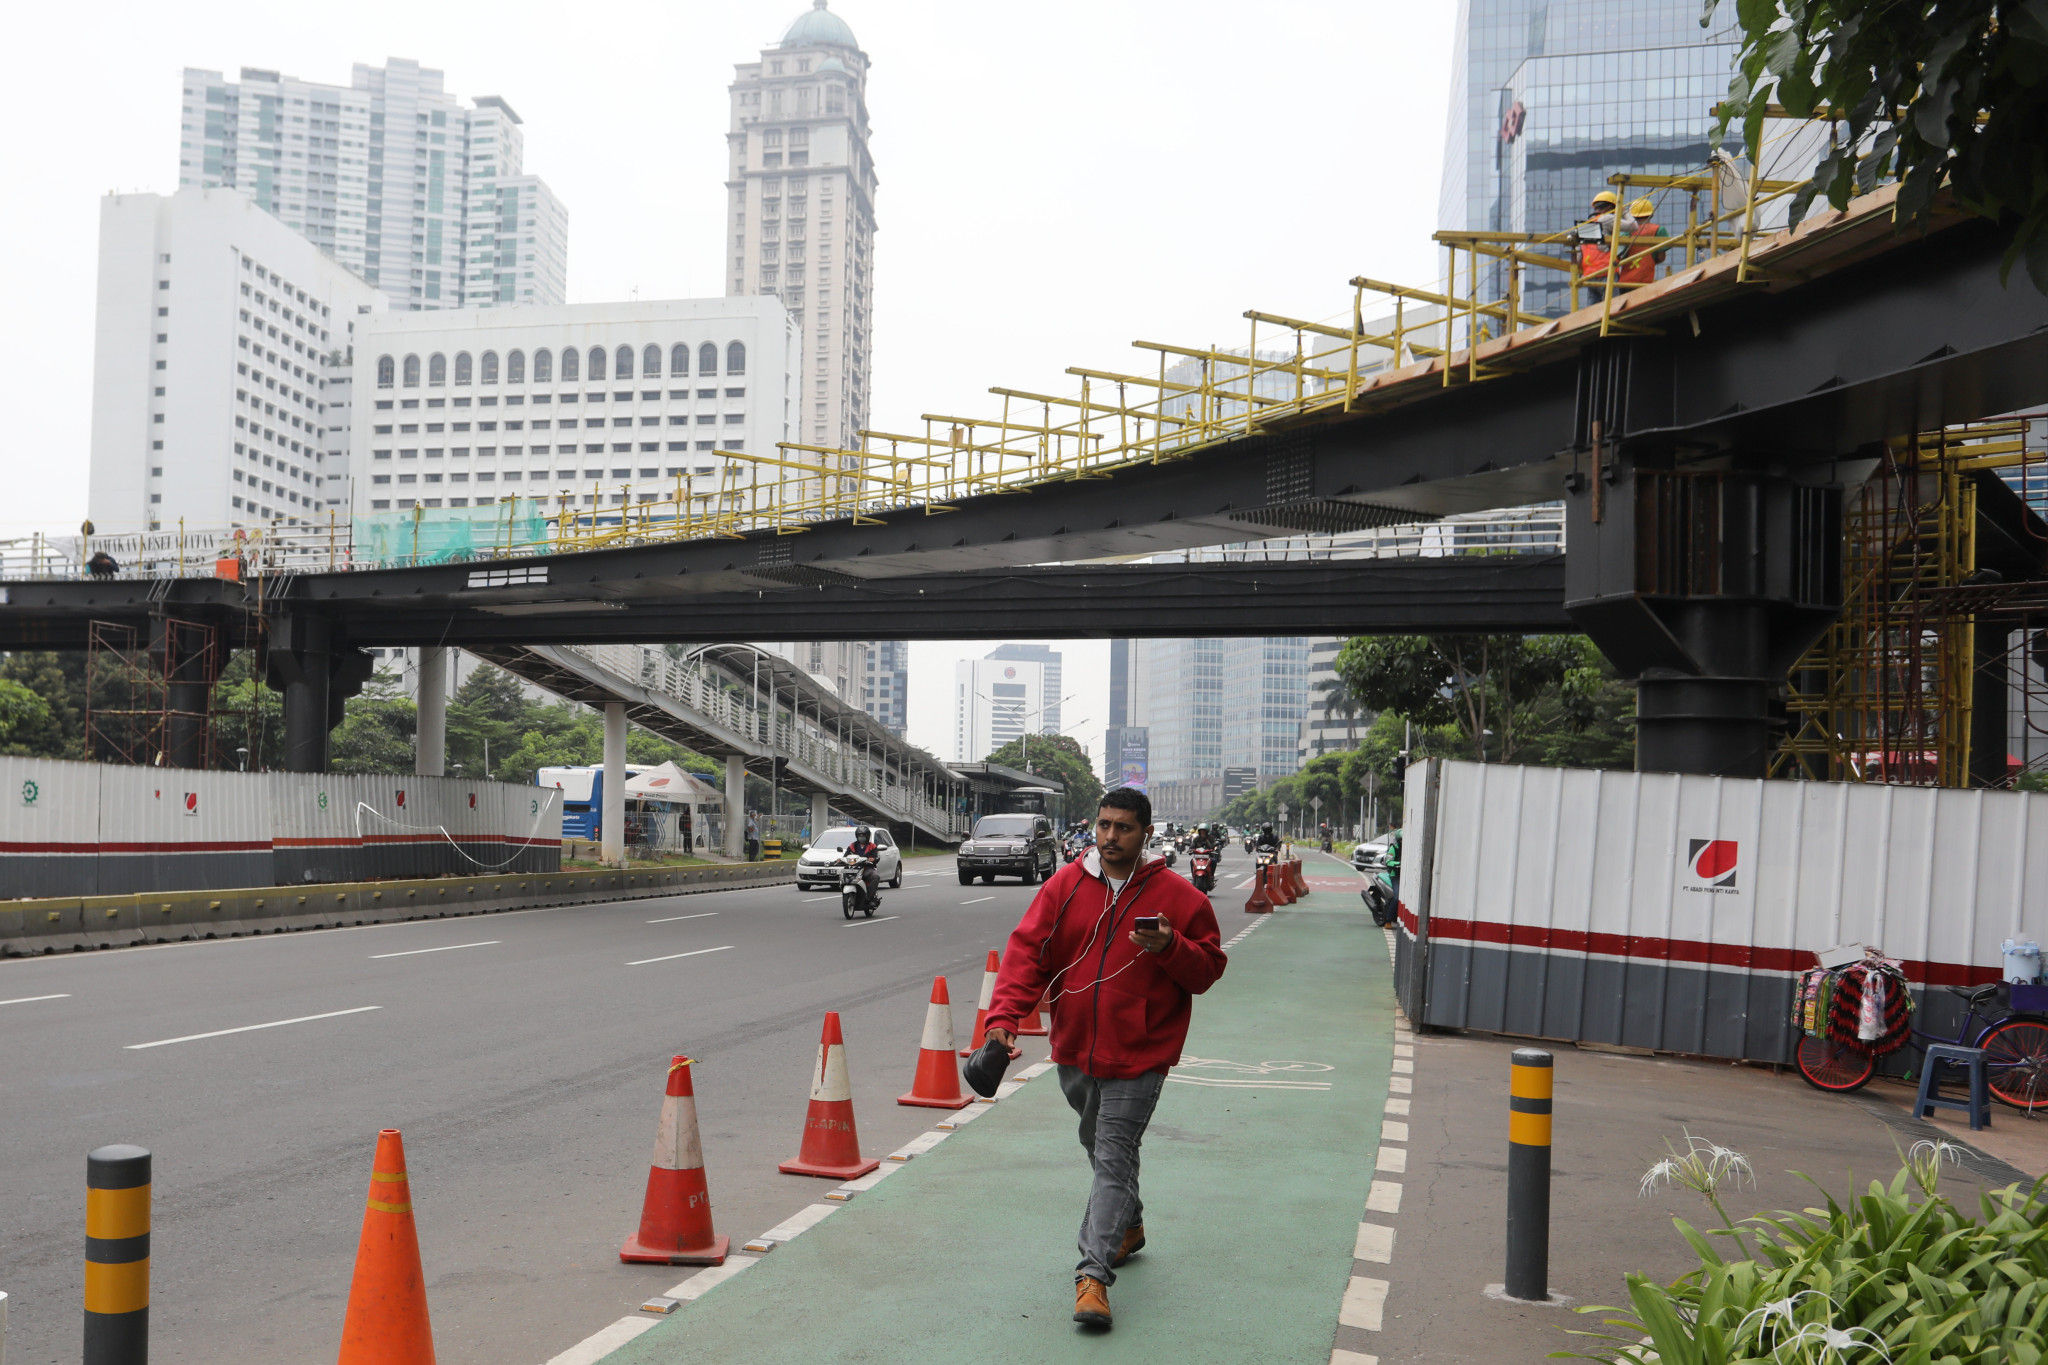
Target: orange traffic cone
<point>937,1083</point>
<point>386,1322</point>
<point>988,995</point>
<point>831,1146</point>
<point>675,1217</point>
<point>1033,1026</point>
<point>1276,886</point>
<point>1258,903</point>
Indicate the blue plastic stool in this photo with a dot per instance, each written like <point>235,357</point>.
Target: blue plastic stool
<point>1978,1106</point>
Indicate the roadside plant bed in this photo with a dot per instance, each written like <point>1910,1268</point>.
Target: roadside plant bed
<point>1899,1275</point>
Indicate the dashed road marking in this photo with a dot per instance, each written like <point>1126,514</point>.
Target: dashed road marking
<point>1365,1302</point>
<point>1384,1197</point>
<point>671,957</point>
<point>978,900</point>
<point>31,999</point>
<point>1401,1085</point>
<point>1395,1106</point>
<point>671,919</point>
<point>1375,1243</point>
<point>1340,1356</point>
<point>446,948</point>
<point>880,919</point>
<point>1393,1159</point>
<point>602,1343</point>
<point>1392,1131</point>
<point>251,1028</point>
<point>710,1276</point>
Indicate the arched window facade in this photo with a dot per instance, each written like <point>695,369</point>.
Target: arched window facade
<point>464,367</point>
<point>622,363</point>
<point>571,365</point>
<point>387,371</point>
<point>487,368</point>
<point>596,363</point>
<point>650,362</point>
<point>679,360</point>
<point>707,359</point>
<point>543,366</point>
<point>736,358</point>
<point>437,369</point>
<point>515,367</point>
<point>412,372</point>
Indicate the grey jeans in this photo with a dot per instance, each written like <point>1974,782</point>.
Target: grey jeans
<point>1113,1118</point>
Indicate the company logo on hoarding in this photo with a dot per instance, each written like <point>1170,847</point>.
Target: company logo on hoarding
<point>30,792</point>
<point>401,796</point>
<point>192,803</point>
<point>1712,865</point>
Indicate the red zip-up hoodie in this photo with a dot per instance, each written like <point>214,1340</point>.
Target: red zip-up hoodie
<point>1117,1010</point>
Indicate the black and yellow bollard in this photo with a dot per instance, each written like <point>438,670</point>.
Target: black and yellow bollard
<point>1529,1075</point>
<point>117,1256</point>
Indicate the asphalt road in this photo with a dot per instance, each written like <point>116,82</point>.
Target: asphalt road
<point>523,1056</point>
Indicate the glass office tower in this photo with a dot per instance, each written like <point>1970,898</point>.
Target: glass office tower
<point>1550,97</point>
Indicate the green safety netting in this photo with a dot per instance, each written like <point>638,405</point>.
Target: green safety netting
<point>434,535</point>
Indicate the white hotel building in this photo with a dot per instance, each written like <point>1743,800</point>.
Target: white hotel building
<point>599,404</point>
<point>221,363</point>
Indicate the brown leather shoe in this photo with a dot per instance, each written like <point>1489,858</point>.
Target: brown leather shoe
<point>1134,1242</point>
<point>1091,1302</point>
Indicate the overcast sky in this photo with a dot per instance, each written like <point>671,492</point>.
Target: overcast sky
<point>1058,178</point>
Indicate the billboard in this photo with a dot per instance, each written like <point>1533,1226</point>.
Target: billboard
<point>1128,749</point>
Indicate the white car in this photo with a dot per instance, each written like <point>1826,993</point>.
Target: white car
<point>819,866</point>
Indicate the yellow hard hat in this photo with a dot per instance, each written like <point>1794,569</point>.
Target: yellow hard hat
<point>1641,208</point>
<point>1609,198</point>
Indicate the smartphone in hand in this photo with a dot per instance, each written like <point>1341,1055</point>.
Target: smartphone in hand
<point>1148,923</point>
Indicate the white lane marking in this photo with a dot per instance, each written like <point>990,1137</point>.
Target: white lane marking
<point>1404,1065</point>
<point>1340,1356</point>
<point>919,1145</point>
<point>31,999</point>
<point>978,900</point>
<point>1375,1243</point>
<point>251,1028</point>
<point>671,957</point>
<point>1384,1197</point>
<point>882,919</point>
<point>813,900</point>
<point>671,919</point>
<point>1365,1303</point>
<point>864,1183</point>
<point>956,1118</point>
<point>1035,1070</point>
<point>1404,1049</point>
<point>603,1342</point>
<point>1390,1131</point>
<point>1232,1084</point>
<point>1393,1159</point>
<point>792,1227</point>
<point>1401,1085</point>
<point>446,948</point>
<point>710,1277</point>
<point>1395,1106</point>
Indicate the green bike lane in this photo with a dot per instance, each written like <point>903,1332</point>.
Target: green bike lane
<point>1256,1171</point>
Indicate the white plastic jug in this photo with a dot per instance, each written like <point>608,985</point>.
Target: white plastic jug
<point>2022,960</point>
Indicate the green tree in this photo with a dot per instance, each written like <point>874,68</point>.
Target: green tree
<point>1955,92</point>
<point>379,730</point>
<point>24,717</point>
<point>1482,684</point>
<point>57,680</point>
<point>1061,758</point>
<point>247,714</point>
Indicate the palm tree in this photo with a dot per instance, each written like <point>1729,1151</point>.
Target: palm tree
<point>1337,700</point>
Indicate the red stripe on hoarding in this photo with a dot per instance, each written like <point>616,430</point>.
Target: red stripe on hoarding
<point>267,845</point>
<point>1644,947</point>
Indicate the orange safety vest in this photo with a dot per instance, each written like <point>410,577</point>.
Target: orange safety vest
<point>1640,267</point>
<point>1593,256</point>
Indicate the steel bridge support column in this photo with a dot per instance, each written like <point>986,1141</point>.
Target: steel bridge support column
<point>735,806</point>
<point>1705,586</point>
<point>430,744</point>
<point>1990,703</point>
<point>191,659</point>
<point>318,672</point>
<point>612,833</point>
<point>821,814</point>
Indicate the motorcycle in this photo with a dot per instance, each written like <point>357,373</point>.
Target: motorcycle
<point>1202,869</point>
<point>854,896</point>
<point>1382,894</point>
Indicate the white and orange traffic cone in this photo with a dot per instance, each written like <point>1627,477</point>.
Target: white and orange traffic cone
<point>1032,1025</point>
<point>386,1321</point>
<point>988,995</point>
<point>831,1145</point>
<point>937,1083</point>
<point>675,1217</point>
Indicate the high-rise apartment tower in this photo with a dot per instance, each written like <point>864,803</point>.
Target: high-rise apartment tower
<point>801,210</point>
<point>415,192</point>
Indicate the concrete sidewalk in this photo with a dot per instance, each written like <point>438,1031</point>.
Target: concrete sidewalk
<point>1257,1170</point>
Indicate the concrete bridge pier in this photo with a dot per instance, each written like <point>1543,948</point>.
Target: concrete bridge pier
<point>612,819</point>
<point>1705,585</point>
<point>821,814</point>
<point>318,671</point>
<point>735,806</point>
<point>430,743</point>
<point>191,657</point>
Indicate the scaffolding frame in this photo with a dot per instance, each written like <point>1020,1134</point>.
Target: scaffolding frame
<point>129,693</point>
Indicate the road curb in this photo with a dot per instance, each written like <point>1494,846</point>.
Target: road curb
<point>75,923</point>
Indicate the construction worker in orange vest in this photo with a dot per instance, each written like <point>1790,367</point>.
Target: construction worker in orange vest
<point>1640,267</point>
<point>1594,233</point>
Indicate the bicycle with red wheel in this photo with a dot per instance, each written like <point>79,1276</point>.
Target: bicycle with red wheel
<point>2015,1044</point>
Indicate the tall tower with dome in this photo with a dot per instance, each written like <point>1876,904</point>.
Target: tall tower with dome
<point>801,206</point>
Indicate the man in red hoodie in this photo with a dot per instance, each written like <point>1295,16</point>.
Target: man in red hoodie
<point>1119,946</point>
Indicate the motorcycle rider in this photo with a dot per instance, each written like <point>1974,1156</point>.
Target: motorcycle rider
<point>1206,838</point>
<point>1267,839</point>
<point>869,854</point>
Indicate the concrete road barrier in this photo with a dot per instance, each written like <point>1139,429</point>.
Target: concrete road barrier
<point>66,923</point>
